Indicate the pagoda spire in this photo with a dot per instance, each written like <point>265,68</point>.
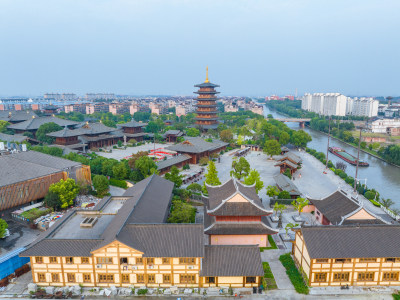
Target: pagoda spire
<point>207,81</point>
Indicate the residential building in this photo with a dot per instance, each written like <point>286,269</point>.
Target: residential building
<point>99,96</point>
<point>231,108</point>
<point>119,108</point>
<point>52,96</point>
<point>358,255</point>
<point>235,215</point>
<point>124,241</point>
<point>159,109</point>
<point>365,107</point>
<point>181,110</point>
<point>96,107</point>
<point>383,125</point>
<point>26,176</point>
<point>306,102</point>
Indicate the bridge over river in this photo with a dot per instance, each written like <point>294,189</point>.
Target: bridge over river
<point>301,121</point>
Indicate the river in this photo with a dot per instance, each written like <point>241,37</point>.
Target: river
<point>383,177</point>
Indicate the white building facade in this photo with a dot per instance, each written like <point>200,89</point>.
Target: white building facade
<point>382,125</point>
<point>365,107</point>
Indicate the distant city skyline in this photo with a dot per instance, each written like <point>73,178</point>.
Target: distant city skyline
<point>154,47</point>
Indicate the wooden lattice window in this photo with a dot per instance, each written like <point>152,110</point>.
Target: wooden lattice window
<point>167,278</point>
<point>71,277</point>
<point>184,278</point>
<point>55,277</point>
<point>140,278</point>
<point>320,277</point>
<point>106,278</point>
<point>39,259</point>
<point>365,276</point>
<point>84,260</point>
<point>250,279</point>
<point>86,277</point>
<point>341,276</point>
<point>187,260</point>
<point>41,277</point>
<point>390,276</point>
<point>53,260</point>
<point>166,260</point>
<point>125,278</point>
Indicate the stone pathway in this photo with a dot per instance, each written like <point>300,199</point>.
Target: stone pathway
<point>281,278</point>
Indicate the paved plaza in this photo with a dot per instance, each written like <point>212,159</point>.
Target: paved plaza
<point>122,153</point>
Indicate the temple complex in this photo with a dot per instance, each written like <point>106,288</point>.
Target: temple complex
<point>207,115</point>
<point>235,215</point>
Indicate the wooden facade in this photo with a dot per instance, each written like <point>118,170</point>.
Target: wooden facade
<point>119,265</point>
<point>26,191</point>
<point>345,271</point>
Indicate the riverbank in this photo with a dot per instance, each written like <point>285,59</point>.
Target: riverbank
<point>351,145</point>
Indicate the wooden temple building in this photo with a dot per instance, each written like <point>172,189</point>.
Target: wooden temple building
<point>206,112</point>
<point>235,215</point>
<point>90,135</point>
<point>196,148</point>
<point>289,161</point>
<point>340,209</point>
<point>32,124</point>
<point>133,130</point>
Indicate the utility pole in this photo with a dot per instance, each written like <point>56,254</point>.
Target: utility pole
<point>358,159</point>
<point>327,148</point>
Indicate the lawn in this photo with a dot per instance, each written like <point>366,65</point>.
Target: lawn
<point>294,274</point>
<point>35,213</point>
<point>269,280</point>
<point>272,244</point>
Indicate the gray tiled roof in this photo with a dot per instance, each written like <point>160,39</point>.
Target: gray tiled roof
<point>197,145</point>
<point>46,160</point>
<point>231,261</point>
<point>13,170</point>
<point>12,138</point>
<point>236,228</point>
<point>287,162</point>
<point>206,84</point>
<point>16,116</point>
<point>293,157</point>
<point>86,129</point>
<point>132,124</point>
<point>164,240</point>
<point>285,184</point>
<point>172,161</point>
<point>35,123</point>
<point>336,206</point>
<point>62,247</point>
<point>362,241</point>
<point>218,205</point>
<point>173,132</point>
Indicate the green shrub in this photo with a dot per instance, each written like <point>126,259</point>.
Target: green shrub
<point>118,183</point>
<point>343,175</point>
<point>142,291</point>
<point>35,213</point>
<point>376,203</point>
<point>294,274</point>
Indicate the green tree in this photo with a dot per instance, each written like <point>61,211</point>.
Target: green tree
<point>240,140</point>
<point>44,129</point>
<point>254,178</point>
<point>3,227</point>
<point>146,166</point>
<point>67,190</point>
<point>174,176</point>
<point>272,191</point>
<point>240,168</point>
<point>387,202</point>
<point>3,125</point>
<point>120,171</point>
<point>284,138</point>
<point>287,173</point>
<point>284,195</point>
<point>195,187</point>
<point>272,147</point>
<point>279,208</point>
<point>107,166</point>
<point>101,185</point>
<point>211,177</point>
<point>300,138</point>
<point>299,204</point>
<point>52,200</point>
<point>181,212</point>
<point>289,226</point>
<point>193,132</point>
<point>226,135</point>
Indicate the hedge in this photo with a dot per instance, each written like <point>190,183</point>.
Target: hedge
<point>294,274</point>
<point>272,244</point>
<point>118,183</point>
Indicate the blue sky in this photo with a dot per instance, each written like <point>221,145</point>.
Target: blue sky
<point>163,46</point>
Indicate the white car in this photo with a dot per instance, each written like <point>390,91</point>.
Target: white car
<point>6,234</point>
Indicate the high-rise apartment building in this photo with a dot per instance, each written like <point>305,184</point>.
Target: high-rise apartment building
<point>365,107</point>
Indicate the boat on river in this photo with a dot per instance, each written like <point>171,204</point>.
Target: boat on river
<point>347,157</point>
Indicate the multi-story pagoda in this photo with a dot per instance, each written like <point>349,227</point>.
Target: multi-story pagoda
<point>207,115</point>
